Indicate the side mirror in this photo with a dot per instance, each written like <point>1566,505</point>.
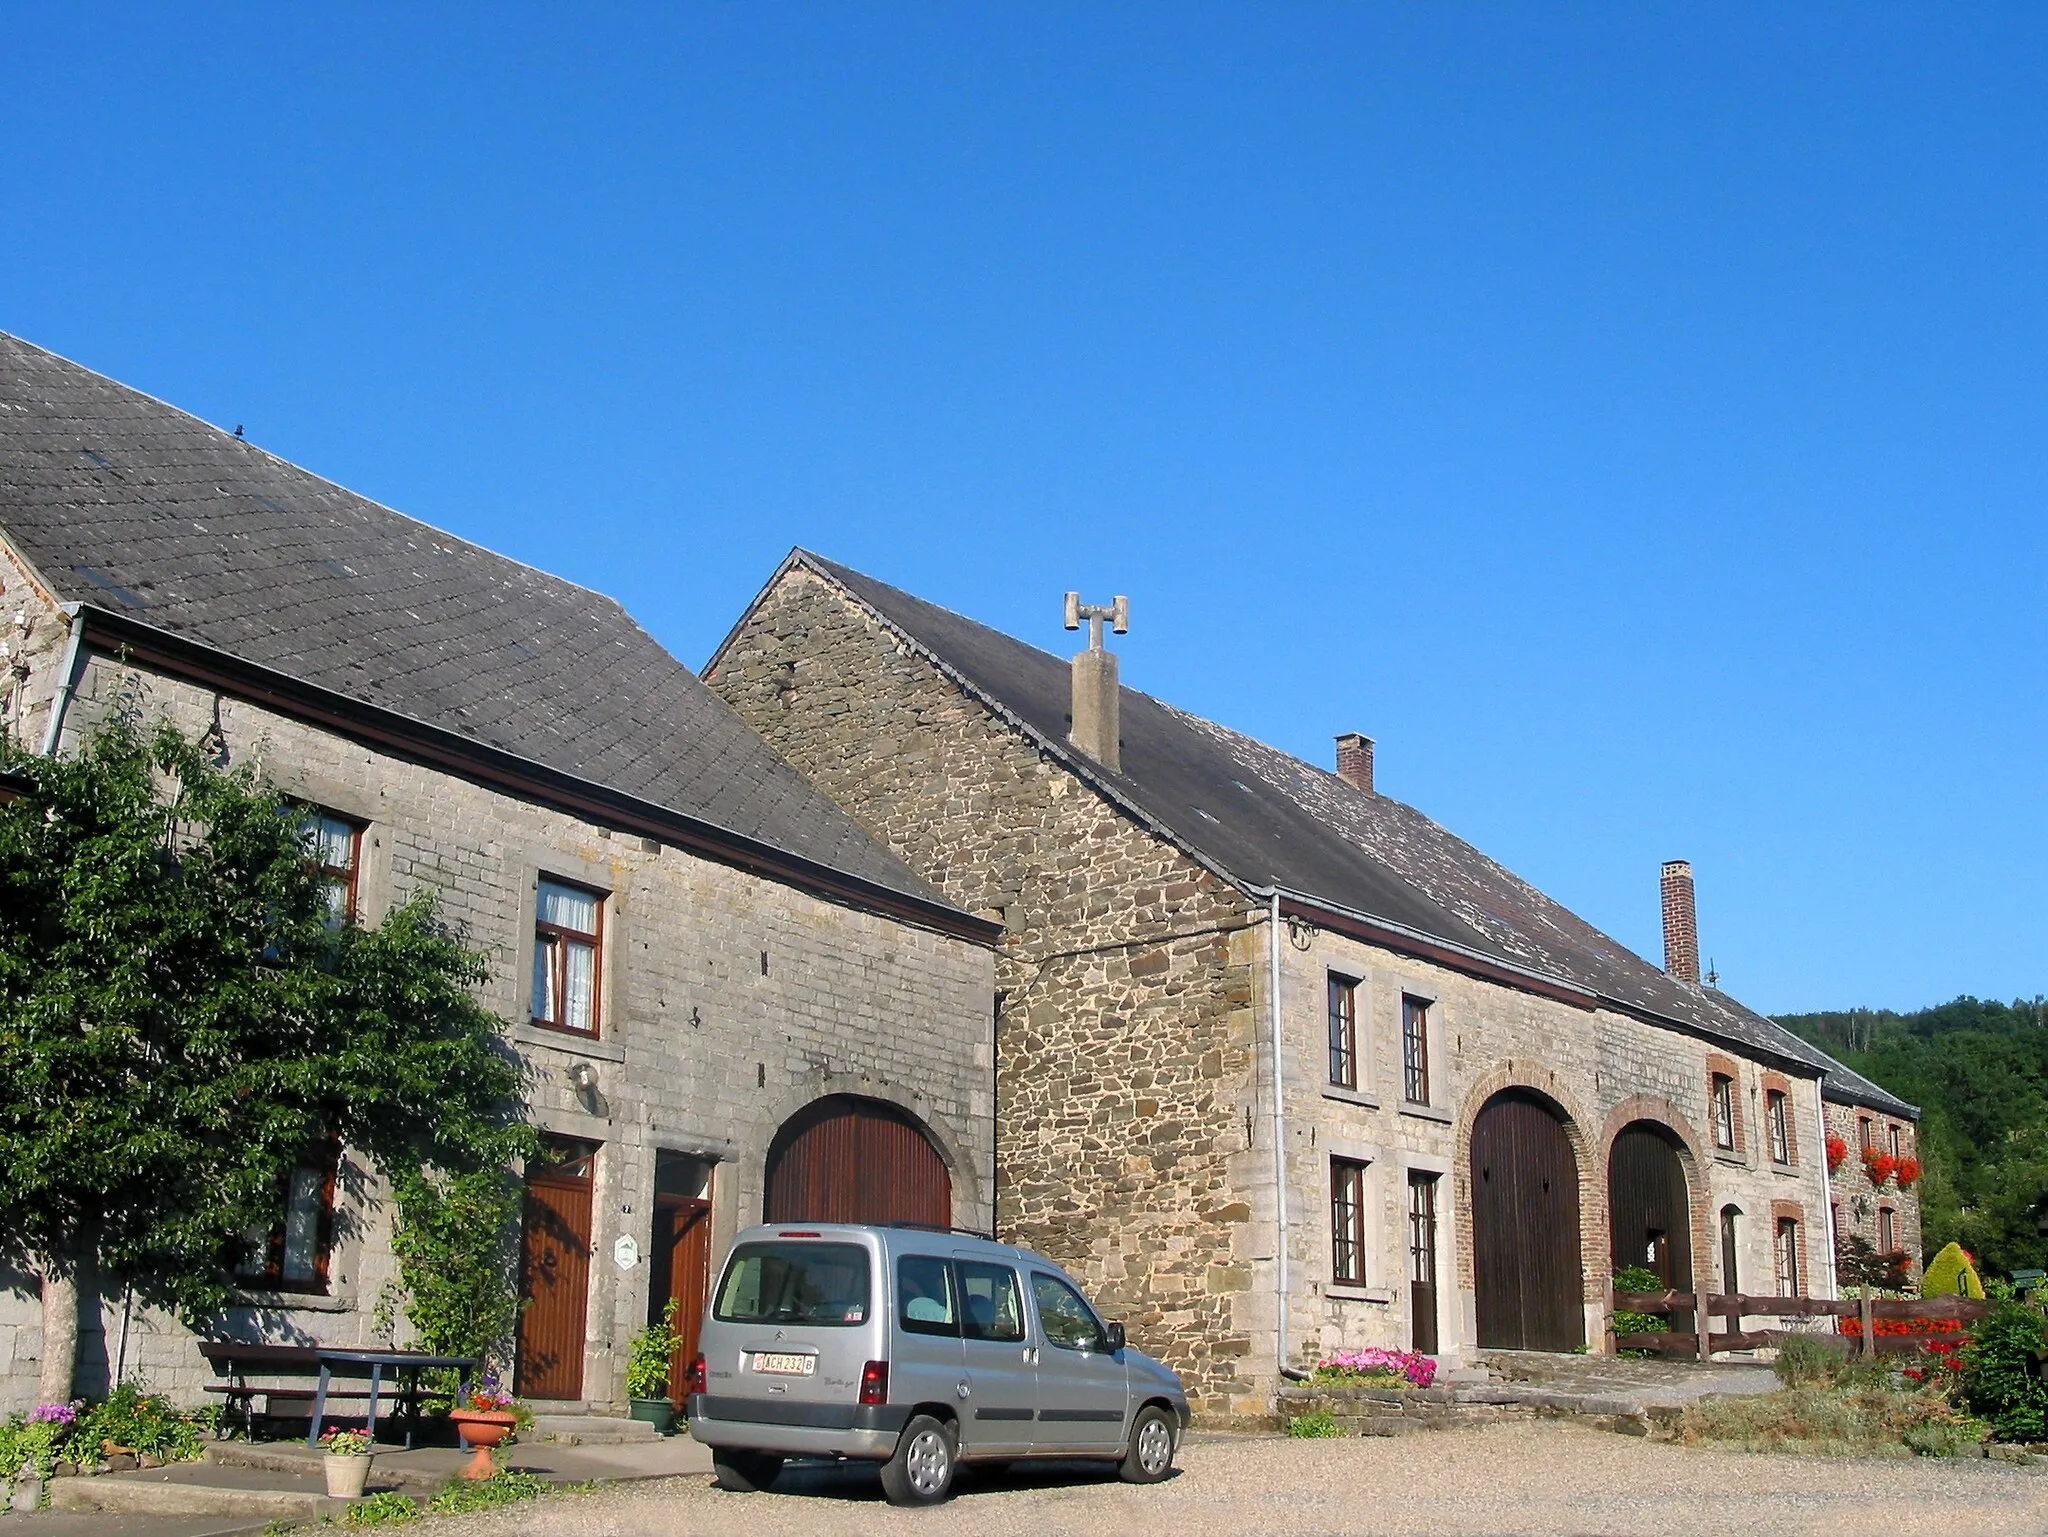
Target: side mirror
<point>1113,1337</point>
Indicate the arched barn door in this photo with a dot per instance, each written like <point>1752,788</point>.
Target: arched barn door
<point>843,1159</point>
<point>1525,1227</point>
<point>1648,1213</point>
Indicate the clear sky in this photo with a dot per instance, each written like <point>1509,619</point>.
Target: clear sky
<point>1630,415</point>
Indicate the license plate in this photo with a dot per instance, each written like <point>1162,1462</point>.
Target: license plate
<point>785,1365</point>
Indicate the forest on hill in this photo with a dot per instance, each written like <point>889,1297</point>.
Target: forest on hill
<point>1978,1070</point>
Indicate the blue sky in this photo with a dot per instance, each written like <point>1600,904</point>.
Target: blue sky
<point>1630,415</point>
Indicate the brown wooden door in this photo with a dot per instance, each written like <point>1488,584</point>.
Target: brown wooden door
<point>682,1272</point>
<point>843,1159</point>
<point>1526,1266</point>
<point>1648,1214</point>
<point>555,1278</point>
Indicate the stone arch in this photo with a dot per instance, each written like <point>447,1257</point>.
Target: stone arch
<point>1692,1158</point>
<point>1546,1083</point>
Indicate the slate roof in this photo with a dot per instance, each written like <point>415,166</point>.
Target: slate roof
<point>1265,819</point>
<point>132,505</point>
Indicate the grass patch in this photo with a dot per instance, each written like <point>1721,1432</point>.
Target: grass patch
<point>386,1509</point>
<point>1834,1421</point>
<point>1320,1425</point>
<point>507,1486</point>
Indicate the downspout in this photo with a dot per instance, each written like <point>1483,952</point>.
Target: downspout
<point>1279,1135</point>
<point>67,680</point>
<point>1820,1108</point>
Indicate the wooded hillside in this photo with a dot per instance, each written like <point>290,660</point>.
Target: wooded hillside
<point>1979,1072</point>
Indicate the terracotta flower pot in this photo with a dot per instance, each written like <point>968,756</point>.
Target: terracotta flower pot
<point>347,1476</point>
<point>482,1429</point>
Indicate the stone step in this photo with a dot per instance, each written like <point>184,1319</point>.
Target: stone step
<point>296,1458</point>
<point>592,1430</point>
<point>112,1494</point>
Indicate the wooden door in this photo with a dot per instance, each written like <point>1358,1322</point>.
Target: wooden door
<point>1649,1217</point>
<point>1526,1266</point>
<point>682,1273</point>
<point>555,1276</point>
<point>843,1159</point>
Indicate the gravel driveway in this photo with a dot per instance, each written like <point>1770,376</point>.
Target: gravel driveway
<point>1544,1480</point>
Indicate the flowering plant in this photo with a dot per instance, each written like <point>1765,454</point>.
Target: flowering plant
<point>1878,1165</point>
<point>55,1414</point>
<point>1377,1364</point>
<point>345,1443</point>
<point>1838,1151</point>
<point>487,1397</point>
<point>1908,1171</point>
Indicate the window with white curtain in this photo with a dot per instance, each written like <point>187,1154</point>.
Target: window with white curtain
<point>567,945</point>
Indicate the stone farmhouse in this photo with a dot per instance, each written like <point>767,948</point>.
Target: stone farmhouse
<point>730,1001</point>
<point>1282,1065</point>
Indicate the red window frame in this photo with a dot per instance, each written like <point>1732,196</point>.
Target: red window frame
<point>325,1160</point>
<point>1343,1031</point>
<point>1347,1222</point>
<point>560,974</point>
<point>1415,1050</point>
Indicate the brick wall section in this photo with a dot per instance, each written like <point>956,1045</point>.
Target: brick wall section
<point>1809,1249</point>
<point>1124,1056</point>
<point>1722,1066</point>
<point>1850,1187</point>
<point>701,1052</point>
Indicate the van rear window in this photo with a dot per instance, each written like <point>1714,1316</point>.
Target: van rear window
<point>820,1284</point>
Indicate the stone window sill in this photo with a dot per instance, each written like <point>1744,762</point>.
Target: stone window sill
<point>294,1302</point>
<point>1733,1160</point>
<point>1427,1113</point>
<point>586,1046</point>
<point>1378,1294</point>
<point>1783,1168</point>
<point>1342,1095</point>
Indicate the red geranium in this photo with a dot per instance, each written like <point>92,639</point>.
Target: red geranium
<point>1879,1166</point>
<point>1908,1171</point>
<point>1837,1151</point>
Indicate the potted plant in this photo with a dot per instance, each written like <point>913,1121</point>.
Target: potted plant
<point>347,1464</point>
<point>647,1369</point>
<point>484,1417</point>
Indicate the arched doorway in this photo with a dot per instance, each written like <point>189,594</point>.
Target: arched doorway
<point>845,1159</point>
<point>1526,1268</point>
<point>1648,1212</point>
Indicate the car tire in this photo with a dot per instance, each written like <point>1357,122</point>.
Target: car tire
<point>745,1472</point>
<point>921,1471</point>
<point>1150,1457</point>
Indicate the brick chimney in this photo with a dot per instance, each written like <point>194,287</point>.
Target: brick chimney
<point>1354,760</point>
<point>1096,725</point>
<point>1681,926</point>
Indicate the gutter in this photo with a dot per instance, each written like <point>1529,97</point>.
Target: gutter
<point>67,677</point>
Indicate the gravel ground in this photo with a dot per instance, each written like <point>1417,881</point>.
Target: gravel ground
<point>1503,1481</point>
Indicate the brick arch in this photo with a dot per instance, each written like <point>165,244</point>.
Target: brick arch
<point>1692,1159</point>
<point>1522,1073</point>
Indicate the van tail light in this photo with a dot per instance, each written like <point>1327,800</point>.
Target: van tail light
<point>874,1383</point>
<point>696,1377</point>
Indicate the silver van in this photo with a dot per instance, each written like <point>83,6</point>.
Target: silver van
<point>919,1350</point>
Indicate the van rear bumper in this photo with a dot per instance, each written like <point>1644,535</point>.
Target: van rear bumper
<point>797,1429</point>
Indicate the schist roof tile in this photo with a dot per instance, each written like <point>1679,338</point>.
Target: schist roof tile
<point>134,506</point>
<point>1265,819</point>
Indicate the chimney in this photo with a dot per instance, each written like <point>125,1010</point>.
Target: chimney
<point>1097,693</point>
<point>1354,760</point>
<point>1681,927</point>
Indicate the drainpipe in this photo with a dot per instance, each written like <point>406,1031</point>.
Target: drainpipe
<point>1827,1187</point>
<point>67,681</point>
<point>1279,1131</point>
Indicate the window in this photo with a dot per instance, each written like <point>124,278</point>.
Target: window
<point>1863,1133</point>
<point>924,1296</point>
<point>1343,1032</point>
<point>1724,1112</point>
<point>1887,1232</point>
<point>1422,1261</point>
<point>1781,1132</point>
<point>568,934</point>
<point>1415,1050</point>
<point>335,847</point>
<point>1064,1319</point>
<point>813,1284</point>
<point>1730,1272</point>
<point>991,1306</point>
<point>1897,1138</point>
<point>1347,1222</point>
<point>1788,1256</point>
<point>292,1256</point>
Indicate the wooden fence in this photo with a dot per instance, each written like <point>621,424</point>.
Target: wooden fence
<point>1702,1339</point>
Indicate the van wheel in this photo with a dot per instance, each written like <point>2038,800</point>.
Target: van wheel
<point>921,1472</point>
<point>1151,1455</point>
<point>745,1472</point>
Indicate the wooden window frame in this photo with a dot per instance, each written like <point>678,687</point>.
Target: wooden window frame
<point>1895,1138</point>
<point>1731,1250</point>
<point>1415,1049</point>
<point>543,930</point>
<point>1778,1126</point>
<point>1863,1133</point>
<point>1721,1092</point>
<point>1790,1255</point>
<point>1347,1221</point>
<point>1887,1229</point>
<point>326,1158</point>
<point>350,878</point>
<point>1343,1005</point>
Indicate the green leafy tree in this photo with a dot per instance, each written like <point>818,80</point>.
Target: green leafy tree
<point>180,1019</point>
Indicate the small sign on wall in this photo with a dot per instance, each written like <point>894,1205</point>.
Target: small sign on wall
<point>626,1251</point>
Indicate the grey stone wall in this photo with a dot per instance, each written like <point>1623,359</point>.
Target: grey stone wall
<point>1856,1201</point>
<point>729,1002</point>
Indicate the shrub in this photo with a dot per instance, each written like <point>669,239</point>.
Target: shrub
<point>2001,1369</point>
<point>1951,1274</point>
<point>386,1509</point>
<point>1377,1366</point>
<point>1805,1360</point>
<point>1320,1425</point>
<point>654,1347</point>
<point>1834,1422</point>
<point>507,1486</point>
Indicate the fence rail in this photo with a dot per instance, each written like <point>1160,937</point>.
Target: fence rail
<point>1702,1341</point>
